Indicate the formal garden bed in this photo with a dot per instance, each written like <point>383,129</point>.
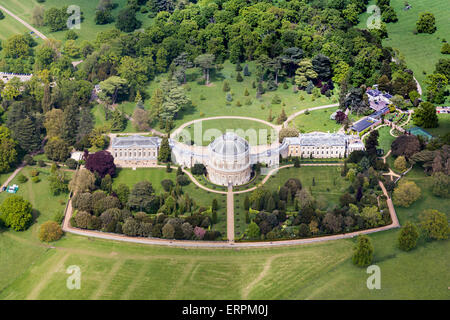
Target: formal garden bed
<point>148,202</point>
<point>312,201</point>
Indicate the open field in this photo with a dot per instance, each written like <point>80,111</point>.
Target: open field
<point>115,270</point>
<point>385,139</point>
<point>130,177</point>
<point>421,51</point>
<point>444,126</point>
<point>209,101</point>
<point>10,27</point>
<point>427,200</point>
<point>112,270</point>
<point>254,132</point>
<point>88,29</point>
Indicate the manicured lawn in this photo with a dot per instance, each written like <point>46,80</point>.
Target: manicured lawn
<point>317,120</point>
<point>204,132</point>
<point>4,176</point>
<point>113,270</point>
<point>155,175</point>
<point>44,203</point>
<point>116,270</point>
<point>10,27</point>
<point>427,200</point>
<point>328,181</point>
<point>444,126</point>
<point>209,101</point>
<point>385,139</point>
<point>421,51</point>
<point>19,250</point>
<point>88,30</point>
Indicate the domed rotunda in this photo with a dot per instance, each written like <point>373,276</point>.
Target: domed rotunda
<point>229,160</point>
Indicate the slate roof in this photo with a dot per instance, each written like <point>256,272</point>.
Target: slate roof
<point>136,141</point>
<point>318,139</point>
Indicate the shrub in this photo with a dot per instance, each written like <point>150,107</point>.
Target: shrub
<point>226,86</point>
<point>29,161</point>
<point>71,163</point>
<point>15,212</point>
<point>276,99</point>
<point>82,219</point>
<point>41,163</point>
<point>167,184</point>
<point>183,180</point>
<point>199,233</point>
<point>130,227</point>
<point>408,236</point>
<point>445,48</point>
<point>363,251</point>
<point>400,163</point>
<point>434,224</point>
<point>71,35</point>
<point>50,231</point>
<point>406,193</point>
<point>35,179</point>
<point>22,179</point>
<point>168,231</point>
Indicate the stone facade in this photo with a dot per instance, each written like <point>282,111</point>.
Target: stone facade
<point>135,151</point>
<point>229,160</point>
<point>323,145</point>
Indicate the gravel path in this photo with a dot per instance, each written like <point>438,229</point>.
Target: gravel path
<point>37,32</point>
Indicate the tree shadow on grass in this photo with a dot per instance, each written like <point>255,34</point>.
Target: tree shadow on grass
<point>35,214</point>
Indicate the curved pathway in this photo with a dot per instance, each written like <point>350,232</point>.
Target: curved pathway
<point>12,176</point>
<point>231,243</point>
<point>178,130</point>
<point>37,32</point>
<point>294,115</point>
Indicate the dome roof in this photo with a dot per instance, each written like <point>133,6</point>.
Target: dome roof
<point>229,144</point>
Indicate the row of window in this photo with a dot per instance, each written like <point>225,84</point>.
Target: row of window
<point>135,154</point>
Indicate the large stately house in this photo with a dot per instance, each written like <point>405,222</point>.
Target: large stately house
<point>6,76</point>
<point>229,158</point>
<point>323,145</point>
<point>135,151</point>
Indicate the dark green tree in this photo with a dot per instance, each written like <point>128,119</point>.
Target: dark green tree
<point>164,153</point>
<point>408,236</point>
<point>363,251</point>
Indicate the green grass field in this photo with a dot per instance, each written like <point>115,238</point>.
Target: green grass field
<point>421,51</point>
<point>10,27</point>
<point>317,120</point>
<point>209,101</point>
<point>444,126</point>
<point>385,139</point>
<point>155,175</point>
<point>328,181</point>
<point>115,270</point>
<point>88,29</point>
<point>254,132</point>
